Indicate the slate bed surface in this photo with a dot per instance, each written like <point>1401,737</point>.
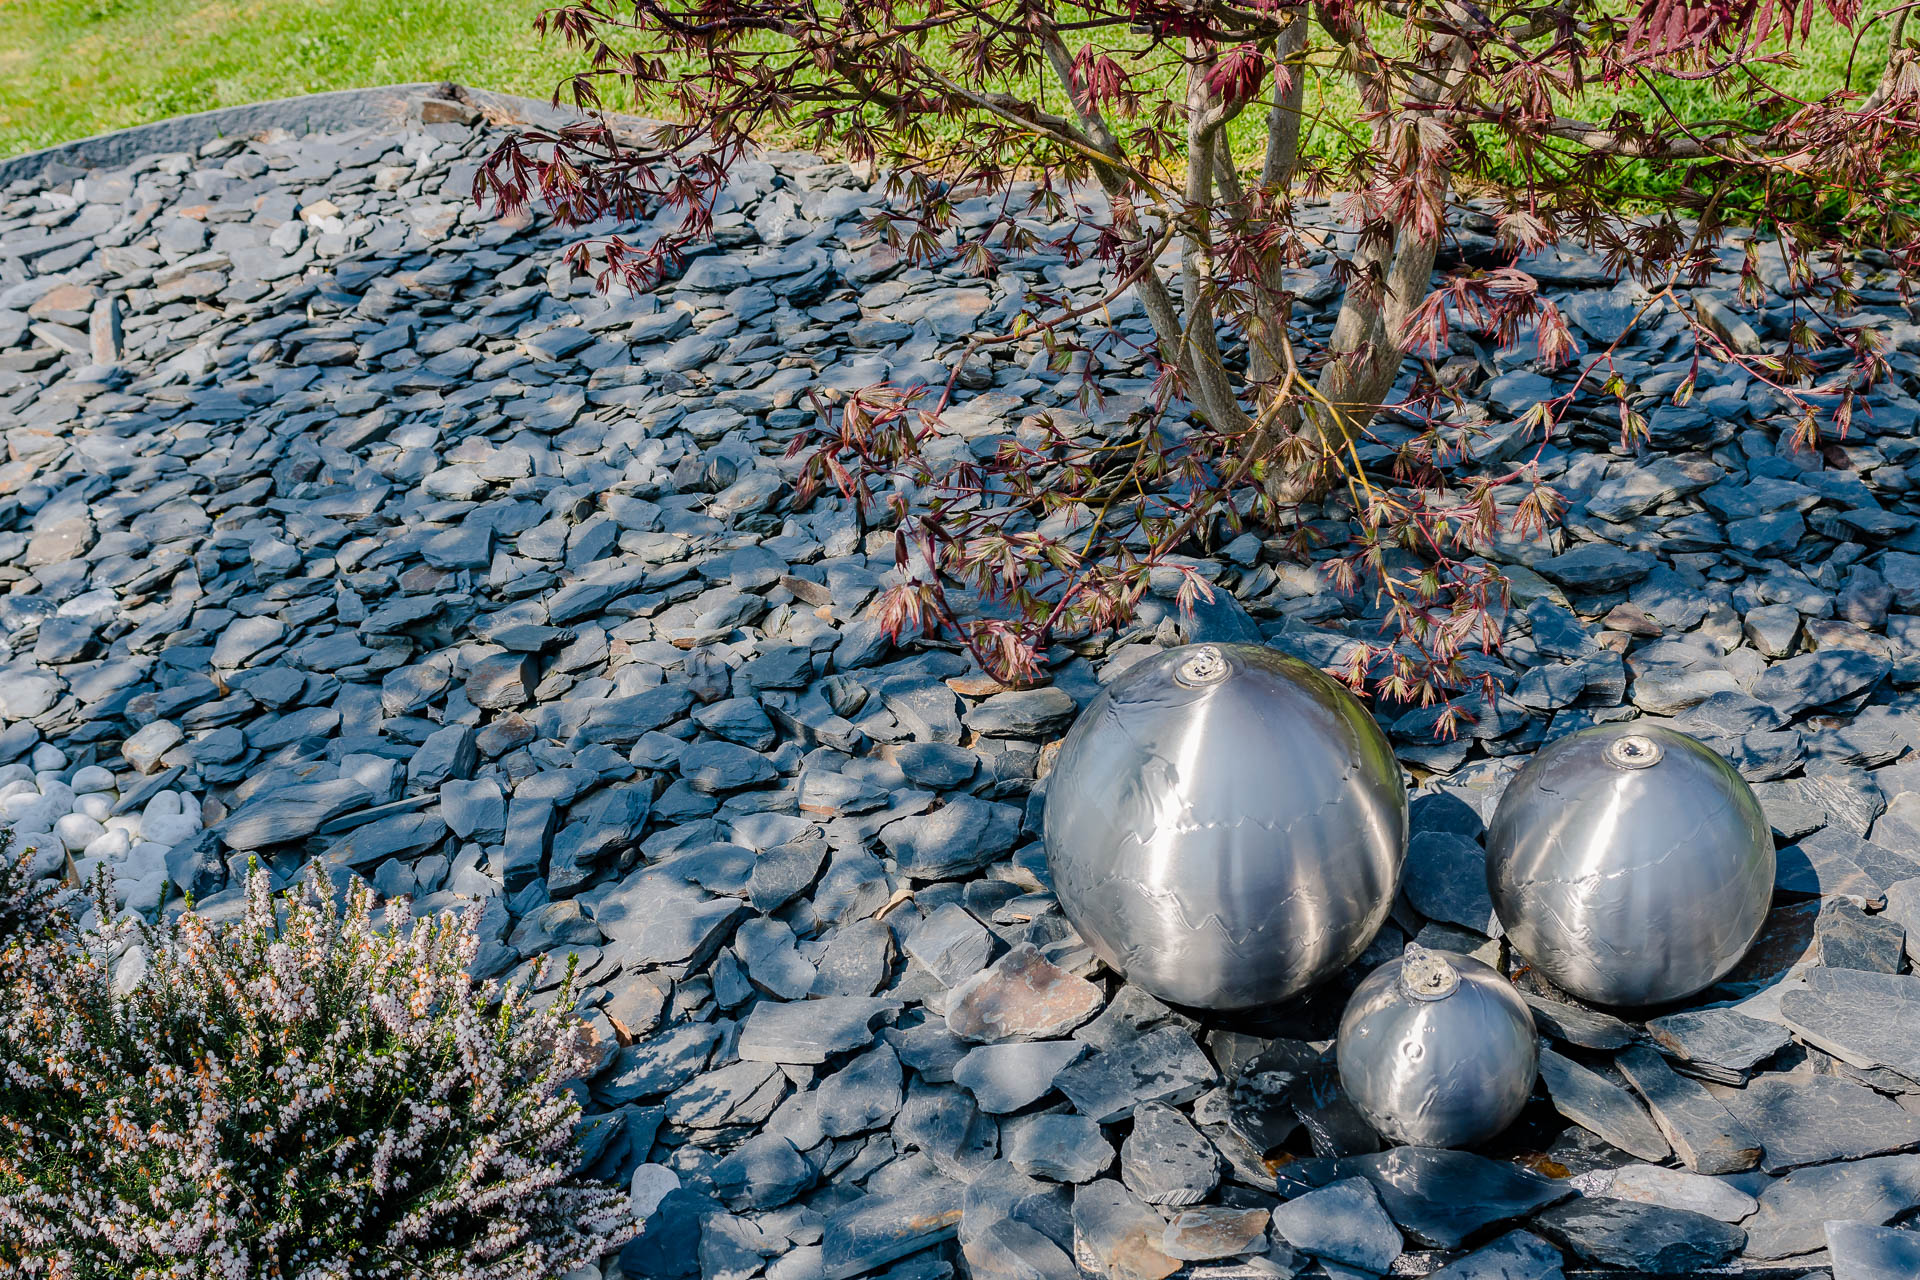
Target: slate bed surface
<point>338,523</point>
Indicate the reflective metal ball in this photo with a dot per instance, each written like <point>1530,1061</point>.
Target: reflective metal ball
<point>1437,1050</point>
<point>1630,864</point>
<point>1225,826</point>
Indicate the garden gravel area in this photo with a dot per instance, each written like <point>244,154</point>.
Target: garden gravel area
<point>338,524</point>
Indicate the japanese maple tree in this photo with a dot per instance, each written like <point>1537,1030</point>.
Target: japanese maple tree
<point>1105,130</point>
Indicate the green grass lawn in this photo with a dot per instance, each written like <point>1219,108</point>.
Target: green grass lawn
<point>71,68</point>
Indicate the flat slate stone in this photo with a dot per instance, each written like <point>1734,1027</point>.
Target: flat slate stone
<point>1164,1065</point>
<point>1006,1077</point>
<point>1865,1019</point>
<point>1343,1223</point>
<point>660,1063</point>
<point>1440,1197</point>
<point>291,813</point>
<point>1011,1250</point>
<point>1023,713</point>
<point>1598,1105</point>
<point>773,964</point>
<point>951,943</point>
<point>1516,1255</point>
<point>1445,878</point>
<point>1794,1209</point>
<point>1641,1237</point>
<point>878,1228</point>
<point>1849,938</point>
<point>1219,1231</point>
<point>999,1191</point>
<point>764,1172</point>
<point>1021,996</point>
<point>666,921</point>
<point>1577,1024</point>
<point>1805,1119</point>
<point>1864,1251</point>
<point>735,1094</point>
<point>1165,1160</point>
<point>1677,1189</point>
<point>1060,1148</point>
<point>1118,1235</point>
<point>1717,1044</point>
<point>811,1031</point>
<point>1701,1131</point>
<point>1815,679</point>
<point>862,1095</point>
<point>1834,863</point>
<point>957,839</point>
<point>944,1124</point>
<point>1597,566</point>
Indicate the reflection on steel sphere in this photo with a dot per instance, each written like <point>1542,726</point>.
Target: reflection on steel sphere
<point>1437,1050</point>
<point>1225,826</point>
<point>1630,864</point>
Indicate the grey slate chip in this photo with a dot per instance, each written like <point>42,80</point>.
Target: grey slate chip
<point>1805,1120</point>
<point>1164,1065</point>
<point>1600,1106</point>
<point>1006,1077</point>
<point>1165,1160</point>
<point>1343,1223</point>
<point>1702,1132</point>
<point>811,1031</point>
<point>1643,1237</point>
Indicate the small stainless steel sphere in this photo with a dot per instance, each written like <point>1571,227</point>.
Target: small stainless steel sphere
<point>1437,1050</point>
<point>1225,826</point>
<point>1630,864</point>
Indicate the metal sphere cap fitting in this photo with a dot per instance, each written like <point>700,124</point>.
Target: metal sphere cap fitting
<point>1225,826</point>
<point>1630,864</point>
<point>1437,1050</point>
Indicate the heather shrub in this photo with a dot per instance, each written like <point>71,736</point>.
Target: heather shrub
<point>304,1093</point>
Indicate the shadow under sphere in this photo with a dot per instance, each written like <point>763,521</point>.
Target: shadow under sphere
<point>1225,826</point>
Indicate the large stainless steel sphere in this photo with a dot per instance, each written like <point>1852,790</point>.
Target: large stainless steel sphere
<point>1225,826</point>
<point>1630,864</point>
<point>1437,1050</point>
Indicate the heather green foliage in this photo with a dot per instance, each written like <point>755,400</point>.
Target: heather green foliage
<point>302,1094</point>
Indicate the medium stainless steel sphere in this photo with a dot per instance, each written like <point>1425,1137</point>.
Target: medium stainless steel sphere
<point>1225,826</point>
<point>1437,1050</point>
<point>1630,864</point>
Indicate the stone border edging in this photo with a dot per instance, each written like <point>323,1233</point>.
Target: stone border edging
<point>309,113</point>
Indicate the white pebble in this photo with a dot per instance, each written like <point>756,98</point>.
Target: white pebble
<point>109,844</point>
<point>141,897</point>
<point>168,829</point>
<point>12,773</point>
<point>145,861</point>
<point>127,822</point>
<point>163,804</point>
<point>31,811</point>
<point>651,1184</point>
<point>47,757</point>
<point>130,968</point>
<point>92,778</point>
<point>190,808</point>
<point>97,805</point>
<point>19,787</point>
<point>77,831</point>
